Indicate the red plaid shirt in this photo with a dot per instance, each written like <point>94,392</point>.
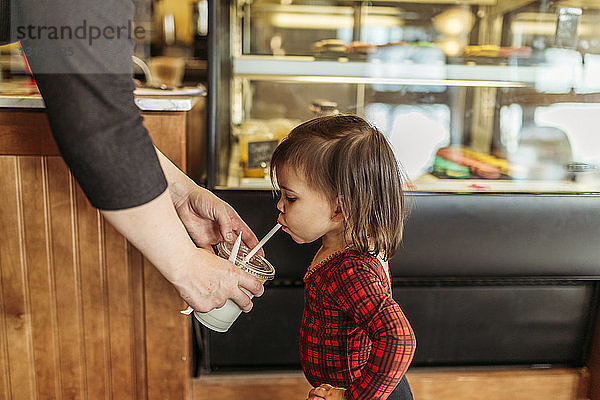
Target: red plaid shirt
<point>353,334</point>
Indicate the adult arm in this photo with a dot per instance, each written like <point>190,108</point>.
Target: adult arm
<point>203,279</point>
<point>85,79</point>
<point>111,155</point>
<point>88,92</point>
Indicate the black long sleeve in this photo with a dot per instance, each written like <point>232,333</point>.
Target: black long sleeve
<point>99,131</point>
<point>88,90</point>
<point>4,21</point>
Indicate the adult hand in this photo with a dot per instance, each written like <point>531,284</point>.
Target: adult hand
<point>208,219</point>
<point>326,391</point>
<point>203,279</point>
<point>207,281</point>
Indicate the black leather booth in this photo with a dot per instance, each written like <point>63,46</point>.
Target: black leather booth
<point>484,279</point>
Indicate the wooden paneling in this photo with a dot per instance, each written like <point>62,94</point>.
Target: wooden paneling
<point>82,314</point>
<point>26,133</point>
<point>168,337</point>
<point>16,307</point>
<point>120,316</point>
<point>167,334</point>
<point>94,288</point>
<point>167,130</point>
<point>136,261</point>
<point>34,189</point>
<point>4,359</point>
<point>66,279</point>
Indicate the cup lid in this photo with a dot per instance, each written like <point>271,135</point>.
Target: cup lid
<point>257,266</point>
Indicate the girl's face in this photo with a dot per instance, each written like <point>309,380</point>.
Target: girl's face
<point>305,213</point>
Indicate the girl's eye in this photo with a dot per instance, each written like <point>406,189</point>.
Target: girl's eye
<point>290,199</point>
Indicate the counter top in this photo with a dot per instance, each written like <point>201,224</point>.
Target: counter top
<point>146,99</point>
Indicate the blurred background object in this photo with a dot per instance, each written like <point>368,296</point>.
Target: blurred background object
<point>454,26</point>
<point>566,27</point>
<point>167,71</point>
<point>543,153</point>
<point>180,30</point>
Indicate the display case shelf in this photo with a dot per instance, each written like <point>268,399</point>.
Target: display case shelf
<point>431,184</point>
<point>548,78</point>
<point>310,69</point>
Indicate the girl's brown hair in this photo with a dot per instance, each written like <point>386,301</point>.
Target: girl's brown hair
<point>344,157</point>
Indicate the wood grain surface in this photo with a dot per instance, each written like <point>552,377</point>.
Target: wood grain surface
<point>82,314</point>
<point>426,384</point>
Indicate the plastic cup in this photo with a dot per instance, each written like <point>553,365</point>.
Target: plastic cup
<point>220,319</point>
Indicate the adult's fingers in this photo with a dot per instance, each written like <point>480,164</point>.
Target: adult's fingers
<point>242,300</point>
<point>252,285</point>
<point>223,218</point>
<point>248,237</point>
<point>231,224</point>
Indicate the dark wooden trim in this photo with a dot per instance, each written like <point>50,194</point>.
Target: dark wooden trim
<point>26,133</point>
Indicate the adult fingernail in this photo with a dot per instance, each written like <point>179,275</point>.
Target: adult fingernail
<point>229,236</point>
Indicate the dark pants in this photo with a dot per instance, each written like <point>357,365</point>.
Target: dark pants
<point>402,391</point>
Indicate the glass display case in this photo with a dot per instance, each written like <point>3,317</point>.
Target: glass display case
<point>492,108</point>
<point>474,96</point>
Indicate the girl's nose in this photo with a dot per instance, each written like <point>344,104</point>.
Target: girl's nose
<point>280,205</point>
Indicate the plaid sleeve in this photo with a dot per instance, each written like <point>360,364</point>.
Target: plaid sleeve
<point>364,298</point>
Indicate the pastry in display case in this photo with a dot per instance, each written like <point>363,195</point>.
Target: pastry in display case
<point>480,95</point>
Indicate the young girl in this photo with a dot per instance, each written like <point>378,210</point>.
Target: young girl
<point>340,182</point>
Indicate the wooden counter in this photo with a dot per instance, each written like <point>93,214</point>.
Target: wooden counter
<point>82,314</point>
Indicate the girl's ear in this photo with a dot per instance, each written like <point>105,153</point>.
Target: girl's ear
<point>338,212</point>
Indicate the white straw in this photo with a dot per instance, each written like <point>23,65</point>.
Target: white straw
<point>235,249</point>
<point>232,258</point>
<point>262,242</point>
